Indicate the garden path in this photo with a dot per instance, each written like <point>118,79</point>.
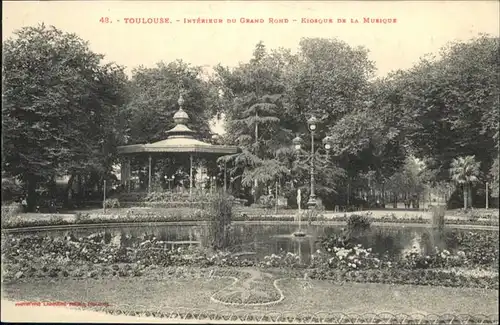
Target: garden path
<point>12,313</point>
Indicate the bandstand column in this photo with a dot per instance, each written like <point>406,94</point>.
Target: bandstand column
<point>149,174</point>
<point>129,174</point>
<point>190,175</point>
<point>225,176</point>
<point>123,172</point>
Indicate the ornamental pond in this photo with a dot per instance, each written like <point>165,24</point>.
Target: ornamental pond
<point>259,240</point>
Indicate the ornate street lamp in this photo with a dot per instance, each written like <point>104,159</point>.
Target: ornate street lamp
<point>314,155</point>
<point>170,180</point>
<point>215,138</point>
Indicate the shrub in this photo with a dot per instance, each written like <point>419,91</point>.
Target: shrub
<point>267,201</point>
<point>159,196</point>
<point>82,218</point>
<point>358,223</point>
<point>219,220</point>
<point>11,210</point>
<point>284,259</point>
<point>10,189</point>
<point>111,203</point>
<point>341,258</point>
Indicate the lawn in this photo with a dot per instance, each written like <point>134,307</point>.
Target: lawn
<point>141,294</point>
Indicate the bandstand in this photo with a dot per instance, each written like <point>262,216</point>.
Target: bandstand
<point>180,140</point>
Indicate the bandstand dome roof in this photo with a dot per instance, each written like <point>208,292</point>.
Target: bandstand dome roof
<point>180,139</point>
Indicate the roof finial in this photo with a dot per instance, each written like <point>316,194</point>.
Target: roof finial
<point>180,101</point>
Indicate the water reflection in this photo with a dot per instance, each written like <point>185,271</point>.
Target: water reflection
<point>268,239</point>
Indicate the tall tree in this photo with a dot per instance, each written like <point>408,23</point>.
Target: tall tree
<point>495,179</point>
<point>465,172</point>
<point>60,105</point>
<point>451,103</point>
<point>154,96</point>
<point>331,80</point>
<point>254,91</point>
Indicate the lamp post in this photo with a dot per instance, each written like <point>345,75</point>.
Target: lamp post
<point>170,180</point>
<point>312,157</point>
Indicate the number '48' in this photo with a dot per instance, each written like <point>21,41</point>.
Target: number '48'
<point>104,20</point>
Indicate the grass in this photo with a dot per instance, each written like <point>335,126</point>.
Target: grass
<point>300,295</point>
<point>378,298</point>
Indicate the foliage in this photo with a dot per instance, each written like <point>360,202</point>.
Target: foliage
<point>470,249</point>
<point>480,248</point>
<point>141,216</point>
<point>10,210</point>
<point>450,103</point>
<point>11,189</point>
<point>415,277</point>
<point>173,197</point>
<point>112,203</point>
<point>283,259</point>
<point>495,180</point>
<point>342,258</point>
<point>219,221</point>
<point>267,201</point>
<point>358,223</point>
<point>60,107</point>
<point>465,171</point>
<point>99,254</point>
<point>409,179</point>
<point>154,96</point>
<point>253,96</point>
<point>155,92</point>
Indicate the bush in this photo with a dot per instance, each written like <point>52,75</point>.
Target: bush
<point>267,201</point>
<point>11,210</point>
<point>219,220</point>
<point>341,258</point>
<point>10,189</point>
<point>356,222</point>
<point>284,259</point>
<point>159,197</point>
<point>111,203</point>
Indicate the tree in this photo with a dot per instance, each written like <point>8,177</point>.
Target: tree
<point>328,78</point>
<point>154,96</point>
<point>331,80</point>
<point>60,107</point>
<point>451,103</point>
<point>253,93</point>
<point>465,171</point>
<point>494,178</point>
<point>409,181</point>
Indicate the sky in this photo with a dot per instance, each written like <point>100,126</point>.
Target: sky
<point>421,28</point>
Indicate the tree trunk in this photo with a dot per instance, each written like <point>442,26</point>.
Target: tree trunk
<point>466,194</point>
<point>52,187</point>
<point>31,196</point>
<point>469,187</point>
<point>383,195</point>
<point>67,192</point>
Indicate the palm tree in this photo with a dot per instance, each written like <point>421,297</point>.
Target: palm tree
<point>465,171</point>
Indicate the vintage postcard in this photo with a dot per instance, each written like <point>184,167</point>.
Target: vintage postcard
<point>223,162</point>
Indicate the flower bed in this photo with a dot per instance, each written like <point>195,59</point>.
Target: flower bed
<point>472,249</point>
<point>245,291</point>
<point>198,215</point>
<point>402,276</point>
<point>98,255</point>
